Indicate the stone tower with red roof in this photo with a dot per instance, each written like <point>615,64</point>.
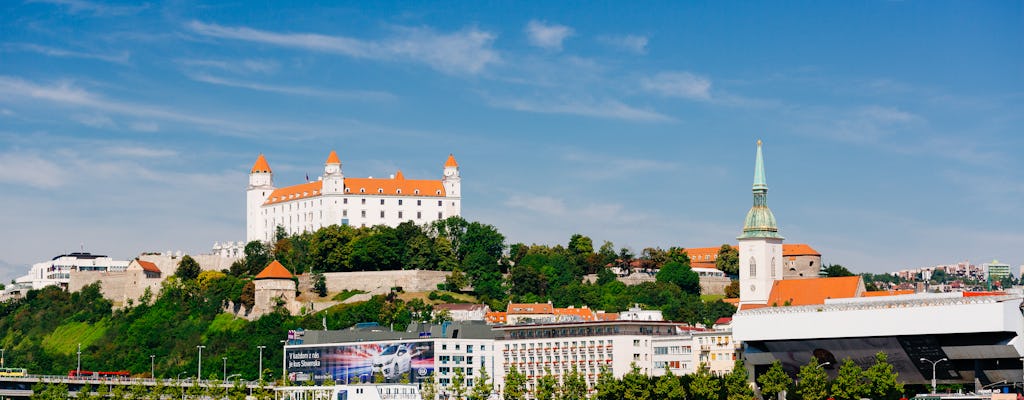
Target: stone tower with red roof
<point>274,287</point>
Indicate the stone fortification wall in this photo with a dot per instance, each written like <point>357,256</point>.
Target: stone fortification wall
<point>168,264</point>
<point>379,282</point>
<point>118,287</point>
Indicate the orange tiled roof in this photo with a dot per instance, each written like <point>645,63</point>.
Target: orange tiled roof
<point>148,266</point>
<point>707,255</point>
<point>798,249</point>
<point>530,308</point>
<point>260,165</point>
<point>450,162</point>
<point>274,271</point>
<point>496,317</point>
<point>398,186</point>
<point>603,316</point>
<point>333,158</point>
<point>802,292</point>
<point>584,313</point>
<point>300,191</point>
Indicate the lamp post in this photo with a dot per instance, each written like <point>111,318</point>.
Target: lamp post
<point>824,364</point>
<point>78,369</point>
<point>180,386</point>
<point>284,370</point>
<point>259,373</point>
<point>934,363</point>
<point>2,357</point>
<point>225,373</point>
<point>152,366</point>
<point>199,370</point>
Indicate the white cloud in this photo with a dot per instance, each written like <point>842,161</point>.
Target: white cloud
<point>465,51</point>
<point>120,58</point>
<point>140,152</point>
<point>539,204</point>
<point>100,10</point>
<point>148,127</point>
<point>95,120</point>
<point>295,90</point>
<point>547,36</point>
<point>631,43</point>
<point>612,109</point>
<point>243,66</point>
<point>888,115</point>
<point>30,170</point>
<point>678,84</point>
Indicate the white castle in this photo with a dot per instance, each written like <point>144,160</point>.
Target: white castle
<point>334,199</point>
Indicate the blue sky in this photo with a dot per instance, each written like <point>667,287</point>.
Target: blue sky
<point>892,129</point>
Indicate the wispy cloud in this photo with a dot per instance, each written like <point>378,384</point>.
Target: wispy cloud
<point>97,9</point>
<point>30,170</point>
<point>242,66</point>
<point>678,84</point>
<point>140,152</point>
<point>547,36</point>
<point>608,108</point>
<point>366,95</point>
<point>466,51</point>
<point>605,166</point>
<point>537,204</point>
<point>631,43</point>
<point>120,58</point>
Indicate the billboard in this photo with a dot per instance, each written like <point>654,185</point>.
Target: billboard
<point>390,362</point>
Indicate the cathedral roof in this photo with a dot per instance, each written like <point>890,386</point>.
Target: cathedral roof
<point>274,271</point>
<point>802,292</point>
<point>260,165</point>
<point>451,161</point>
<point>333,158</point>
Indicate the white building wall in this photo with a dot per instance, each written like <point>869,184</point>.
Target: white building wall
<point>765,255</point>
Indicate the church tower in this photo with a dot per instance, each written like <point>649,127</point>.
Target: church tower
<point>452,182</point>
<point>334,179</point>
<point>760,244</point>
<point>261,184</point>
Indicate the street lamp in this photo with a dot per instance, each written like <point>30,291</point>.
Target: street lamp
<point>152,366</point>
<point>824,364</point>
<point>934,363</point>
<point>2,357</point>
<point>78,370</point>
<point>199,370</point>
<point>225,373</point>
<point>260,372</point>
<point>284,371</point>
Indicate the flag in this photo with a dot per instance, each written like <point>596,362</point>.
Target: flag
<point>307,177</point>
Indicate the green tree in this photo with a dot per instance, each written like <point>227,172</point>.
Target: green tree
<point>835,270</point>
<point>669,387</point>
<point>547,387</point>
<point>50,391</point>
<point>456,280</point>
<point>257,256</point>
<point>774,381</point>
<point>849,383</point>
<point>732,291</point>
<point>482,386</point>
<point>428,391</point>
<point>736,385</point>
<point>681,275</point>
<point>728,260</point>
<point>607,387</point>
<point>188,268</point>
<point>574,385</point>
<point>812,381</point>
<point>458,386</point>
<point>882,379</point>
<point>635,386</point>
<point>319,283</point>
<point>515,385</point>
<point>703,385</point>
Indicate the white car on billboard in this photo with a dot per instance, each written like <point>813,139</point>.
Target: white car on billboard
<point>393,361</point>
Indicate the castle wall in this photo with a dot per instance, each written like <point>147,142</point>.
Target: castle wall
<point>381,282</point>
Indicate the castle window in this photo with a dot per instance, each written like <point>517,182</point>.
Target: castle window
<point>380,190</point>
<point>399,214</point>
<point>419,202</point>
<point>344,213</point>
<point>399,191</point>
<point>773,267</point>
<point>347,190</point>
<point>382,214</point>
<point>438,192</point>
<point>364,201</point>
<point>419,215</point>
<point>362,190</point>
<point>439,203</point>
<point>399,201</point>
<point>344,201</point>
<point>364,213</point>
<point>417,191</point>
<point>438,215</point>
<point>381,201</point>
<point>753,267</point>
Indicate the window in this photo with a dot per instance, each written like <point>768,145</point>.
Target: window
<point>362,190</point>
<point>399,214</point>
<point>344,213</point>
<point>381,201</point>
<point>364,200</point>
<point>773,267</point>
<point>439,202</point>
<point>419,202</point>
<point>399,200</point>
<point>382,213</point>
<point>753,267</point>
<point>419,215</point>
<point>438,215</point>
<point>364,213</point>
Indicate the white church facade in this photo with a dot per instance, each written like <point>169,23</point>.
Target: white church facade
<point>334,199</point>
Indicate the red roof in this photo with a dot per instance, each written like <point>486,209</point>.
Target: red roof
<point>496,317</point>
<point>300,191</point>
<point>260,165</point>
<point>530,308</point>
<point>802,292</point>
<point>584,313</point>
<point>274,271</point>
<point>148,266</point>
<point>333,158</point>
<point>450,162</point>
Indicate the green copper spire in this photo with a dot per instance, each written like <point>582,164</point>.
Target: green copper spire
<point>760,221</point>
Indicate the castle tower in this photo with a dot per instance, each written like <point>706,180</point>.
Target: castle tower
<point>273,284</point>
<point>760,243</point>
<point>452,182</point>
<point>261,184</point>
<point>334,179</point>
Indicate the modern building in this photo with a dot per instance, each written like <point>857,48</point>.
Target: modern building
<point>334,199</point>
<point>371,353</point>
<point>57,271</point>
<point>556,348</point>
<point>996,271</point>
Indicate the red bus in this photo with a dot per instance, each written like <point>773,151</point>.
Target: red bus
<point>98,374</point>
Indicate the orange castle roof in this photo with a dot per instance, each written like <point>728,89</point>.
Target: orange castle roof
<point>451,161</point>
<point>397,186</point>
<point>274,271</point>
<point>333,158</point>
<point>260,165</point>
<point>399,176</point>
<point>148,266</point>
<point>300,191</point>
<point>802,292</point>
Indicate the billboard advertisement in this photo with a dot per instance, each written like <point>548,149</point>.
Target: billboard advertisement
<point>390,362</point>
